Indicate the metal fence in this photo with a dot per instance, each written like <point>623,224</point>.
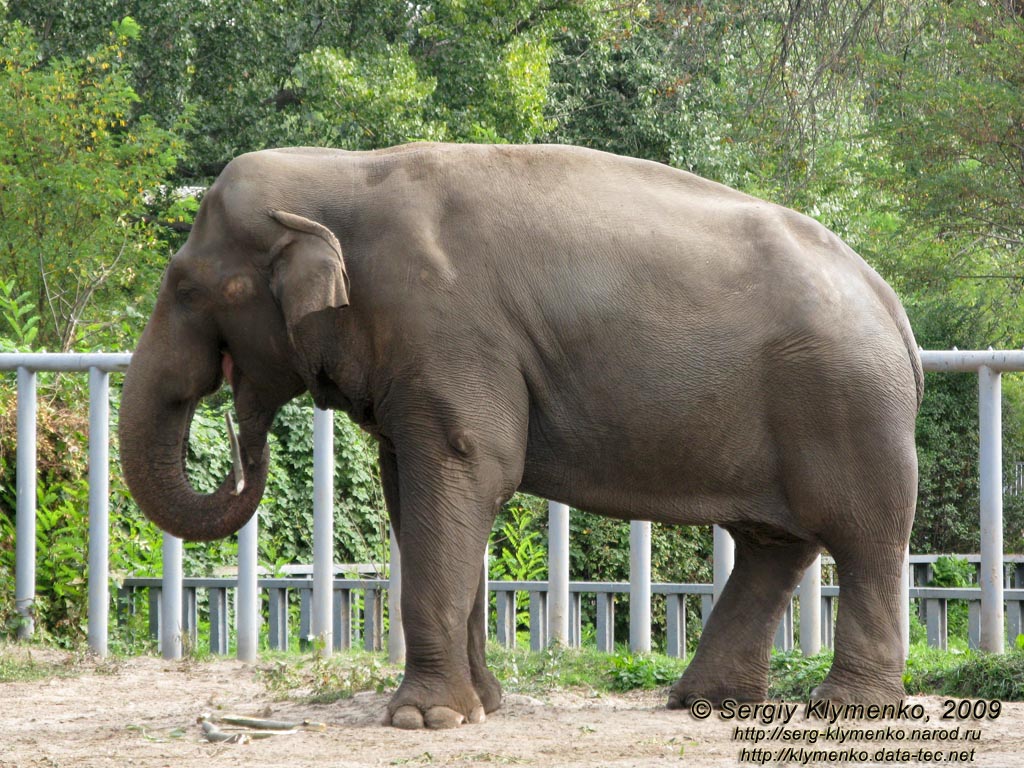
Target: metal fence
<point>555,605</point>
<point>358,615</point>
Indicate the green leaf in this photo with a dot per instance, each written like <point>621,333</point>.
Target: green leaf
<point>128,28</point>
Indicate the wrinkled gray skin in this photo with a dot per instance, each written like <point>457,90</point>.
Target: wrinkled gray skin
<point>607,332</point>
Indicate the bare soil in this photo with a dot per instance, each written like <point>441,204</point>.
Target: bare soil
<point>143,712</point>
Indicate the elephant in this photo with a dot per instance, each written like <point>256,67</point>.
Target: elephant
<point>612,333</point>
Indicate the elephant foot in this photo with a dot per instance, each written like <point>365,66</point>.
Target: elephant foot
<point>412,718</point>
<point>715,690</point>
<point>441,706</point>
<point>488,689</point>
<point>843,688</point>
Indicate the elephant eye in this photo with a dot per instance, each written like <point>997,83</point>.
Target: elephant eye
<point>186,293</point>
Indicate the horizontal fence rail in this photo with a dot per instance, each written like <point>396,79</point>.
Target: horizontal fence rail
<point>335,612</point>
<point>358,610</point>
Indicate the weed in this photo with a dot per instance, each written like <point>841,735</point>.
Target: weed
<point>644,671</point>
<point>21,664</point>
<point>793,676</point>
<point>320,680</point>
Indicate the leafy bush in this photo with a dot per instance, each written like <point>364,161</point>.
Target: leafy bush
<point>19,321</point>
<point>75,167</point>
<point>519,549</point>
<point>954,572</point>
<point>972,674</point>
<point>631,671</point>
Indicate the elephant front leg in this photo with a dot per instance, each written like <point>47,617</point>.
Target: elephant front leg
<point>446,519</point>
<point>487,687</point>
<point>486,684</point>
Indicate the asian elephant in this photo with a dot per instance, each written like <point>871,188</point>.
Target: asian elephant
<point>608,332</point>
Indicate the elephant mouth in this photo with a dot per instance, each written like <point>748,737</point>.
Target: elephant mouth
<point>229,370</point>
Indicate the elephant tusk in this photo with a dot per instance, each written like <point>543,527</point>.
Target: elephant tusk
<point>236,457</point>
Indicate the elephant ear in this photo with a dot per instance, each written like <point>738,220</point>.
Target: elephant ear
<point>307,269</point>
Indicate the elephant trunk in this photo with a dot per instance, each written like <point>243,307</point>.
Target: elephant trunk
<point>153,433</point>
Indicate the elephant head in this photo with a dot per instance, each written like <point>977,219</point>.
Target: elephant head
<point>228,308</point>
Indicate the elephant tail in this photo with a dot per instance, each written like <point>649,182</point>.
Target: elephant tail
<point>897,313</point>
<point>903,324</point>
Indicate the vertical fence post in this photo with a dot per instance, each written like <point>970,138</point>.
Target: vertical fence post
<point>25,555</point>
<point>99,509</point>
<point>247,599</point>
<point>558,573</point>
<point>810,609</point>
<point>990,460</point>
<point>905,602</point>
<point>640,586</point>
<point>396,632</point>
<point>724,558</point>
<point>170,605</point>
<point>323,530</point>
<point>485,585</point>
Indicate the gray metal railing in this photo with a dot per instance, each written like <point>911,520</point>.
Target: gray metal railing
<point>556,601</point>
<point>99,367</point>
<point>358,610</point>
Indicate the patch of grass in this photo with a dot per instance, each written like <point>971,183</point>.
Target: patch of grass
<point>929,671</point>
<point>526,672</point>
<point>792,676</point>
<point>24,663</point>
<point>630,672</point>
<point>522,671</point>
<point>321,681</point>
<point>972,674</point>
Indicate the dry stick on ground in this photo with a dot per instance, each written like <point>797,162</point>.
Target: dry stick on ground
<point>255,728</point>
<point>270,725</point>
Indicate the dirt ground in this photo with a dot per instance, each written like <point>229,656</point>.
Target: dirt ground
<point>143,712</point>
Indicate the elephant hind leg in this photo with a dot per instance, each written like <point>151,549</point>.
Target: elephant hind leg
<point>869,655</point>
<point>733,654</point>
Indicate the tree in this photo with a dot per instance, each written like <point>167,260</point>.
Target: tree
<point>76,170</point>
<point>948,106</point>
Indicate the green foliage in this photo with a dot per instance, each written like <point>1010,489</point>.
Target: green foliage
<point>519,551</point>
<point>630,671</point>
<point>376,99</point>
<point>929,672</point>
<point>600,552</point>
<point>20,321</point>
<point>974,674</point>
<point>326,680</point>
<point>950,110</point>
<point>286,513</point>
<point>75,167</point>
<point>523,671</point>
<point>360,518</point>
<point>792,676</point>
<point>948,571</point>
<point>617,85</point>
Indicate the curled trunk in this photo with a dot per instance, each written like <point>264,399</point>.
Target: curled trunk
<point>154,443</point>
